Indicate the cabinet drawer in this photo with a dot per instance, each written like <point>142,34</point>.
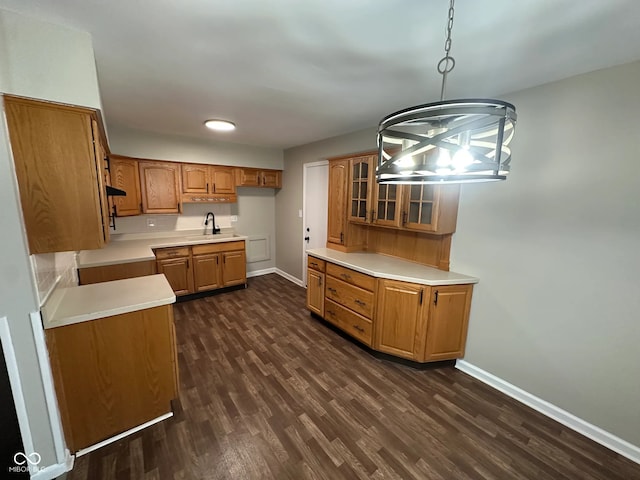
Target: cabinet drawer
<point>355,325</point>
<point>355,278</point>
<point>316,264</point>
<point>163,253</point>
<point>217,247</point>
<point>350,296</point>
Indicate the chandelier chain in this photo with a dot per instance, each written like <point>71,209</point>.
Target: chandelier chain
<point>447,63</point>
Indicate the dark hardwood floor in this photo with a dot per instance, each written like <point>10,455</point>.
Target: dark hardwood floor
<point>269,392</point>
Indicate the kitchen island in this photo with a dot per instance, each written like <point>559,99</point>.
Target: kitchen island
<point>113,356</point>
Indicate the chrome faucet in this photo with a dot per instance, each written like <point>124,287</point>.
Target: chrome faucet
<point>214,230</point>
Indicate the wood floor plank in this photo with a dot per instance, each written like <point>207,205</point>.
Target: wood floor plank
<point>269,392</point>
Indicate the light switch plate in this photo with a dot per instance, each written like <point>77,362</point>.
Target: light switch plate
<point>234,218</point>
<point>300,213</point>
<point>151,222</point>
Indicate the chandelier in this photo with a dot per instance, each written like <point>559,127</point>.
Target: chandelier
<point>450,141</point>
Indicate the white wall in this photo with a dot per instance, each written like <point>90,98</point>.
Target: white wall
<point>289,199</point>
<point>157,146</point>
<point>44,61</point>
<point>556,248</point>
<point>47,61</point>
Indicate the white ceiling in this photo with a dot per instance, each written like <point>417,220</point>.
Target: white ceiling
<point>289,72</point>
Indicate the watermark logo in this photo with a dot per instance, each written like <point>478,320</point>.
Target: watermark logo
<point>25,463</point>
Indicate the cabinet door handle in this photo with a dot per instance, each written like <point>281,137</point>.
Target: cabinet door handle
<point>346,276</point>
<point>360,302</point>
<point>207,188</point>
<point>404,218</point>
<point>332,290</point>
<point>217,260</point>
<point>214,188</point>
<point>341,237</point>
<point>331,312</point>
<point>435,299</point>
<point>188,264</point>
<point>422,294</point>
<point>319,281</point>
<point>314,264</point>
<point>224,259</point>
<point>359,328</point>
<point>264,181</point>
<point>373,216</point>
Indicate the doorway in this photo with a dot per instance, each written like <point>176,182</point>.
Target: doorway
<point>315,185</point>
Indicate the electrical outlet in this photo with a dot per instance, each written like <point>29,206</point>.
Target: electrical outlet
<point>300,213</point>
<point>151,222</point>
<point>234,218</point>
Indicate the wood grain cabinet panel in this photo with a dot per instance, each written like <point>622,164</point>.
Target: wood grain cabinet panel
<point>113,374</point>
<point>179,274</point>
<point>355,298</point>
<point>207,273</point>
<point>234,268</point>
<point>57,152</point>
<point>125,176</point>
<point>448,322</point>
<point>223,180</point>
<point>337,215</point>
<point>254,177</point>
<point>400,319</point>
<point>196,179</point>
<point>108,273</point>
<point>160,187</point>
<point>315,291</point>
<point>361,183</point>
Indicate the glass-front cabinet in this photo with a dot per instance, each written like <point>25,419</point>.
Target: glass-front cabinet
<point>362,178</point>
<point>421,207</point>
<point>388,204</point>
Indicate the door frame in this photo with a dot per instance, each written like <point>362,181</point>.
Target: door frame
<point>306,166</point>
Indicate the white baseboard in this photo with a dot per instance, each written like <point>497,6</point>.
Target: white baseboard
<point>120,436</point>
<point>291,278</point>
<point>54,471</point>
<point>264,271</point>
<point>597,434</point>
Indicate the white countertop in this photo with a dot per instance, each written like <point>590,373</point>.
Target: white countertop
<point>383,266</point>
<point>131,248</point>
<point>67,306</point>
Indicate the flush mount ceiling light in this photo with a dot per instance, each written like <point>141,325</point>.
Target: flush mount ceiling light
<point>450,141</point>
<point>220,125</point>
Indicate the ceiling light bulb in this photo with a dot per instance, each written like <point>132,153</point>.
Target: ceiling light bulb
<point>444,158</point>
<point>220,125</point>
<point>462,159</point>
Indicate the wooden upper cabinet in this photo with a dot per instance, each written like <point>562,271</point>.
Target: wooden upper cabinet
<point>431,208</point>
<point>361,182</point>
<point>195,178</point>
<point>160,186</point>
<point>254,177</point>
<point>337,214</point>
<point>387,204</point>
<point>60,179</point>
<point>222,179</point>
<point>272,178</point>
<point>125,176</point>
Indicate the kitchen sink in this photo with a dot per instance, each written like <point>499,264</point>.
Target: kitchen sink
<point>209,236</point>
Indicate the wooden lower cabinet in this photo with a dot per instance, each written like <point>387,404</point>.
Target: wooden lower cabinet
<point>401,323</point>
<point>315,291</point>
<point>178,273</point>
<point>418,322</point>
<point>108,273</point>
<point>113,374</point>
<point>234,268</point>
<point>204,267</point>
<point>448,321</point>
<point>207,273</point>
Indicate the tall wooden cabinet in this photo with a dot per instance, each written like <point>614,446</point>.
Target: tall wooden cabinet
<point>160,186</point>
<point>341,234</point>
<point>58,156</point>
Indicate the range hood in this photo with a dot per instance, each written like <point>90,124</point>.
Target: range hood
<point>115,192</point>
